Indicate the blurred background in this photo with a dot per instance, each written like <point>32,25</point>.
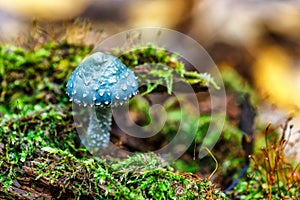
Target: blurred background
<point>259,39</point>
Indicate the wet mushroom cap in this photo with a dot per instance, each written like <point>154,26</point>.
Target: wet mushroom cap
<point>102,80</point>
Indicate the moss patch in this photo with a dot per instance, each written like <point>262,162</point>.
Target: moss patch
<point>40,152</point>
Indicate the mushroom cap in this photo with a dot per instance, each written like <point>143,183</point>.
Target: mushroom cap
<point>101,80</point>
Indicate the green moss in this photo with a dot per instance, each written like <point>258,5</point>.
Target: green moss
<point>158,67</point>
<point>36,76</point>
<point>41,73</point>
<point>51,159</point>
<point>237,85</point>
<point>40,153</point>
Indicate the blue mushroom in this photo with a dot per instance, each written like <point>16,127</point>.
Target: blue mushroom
<point>100,82</point>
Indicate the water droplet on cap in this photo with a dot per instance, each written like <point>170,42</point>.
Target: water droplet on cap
<point>95,87</point>
<point>124,87</point>
<point>112,80</point>
<point>101,92</point>
<point>86,82</point>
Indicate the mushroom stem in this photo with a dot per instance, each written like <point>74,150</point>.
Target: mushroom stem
<point>98,128</point>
